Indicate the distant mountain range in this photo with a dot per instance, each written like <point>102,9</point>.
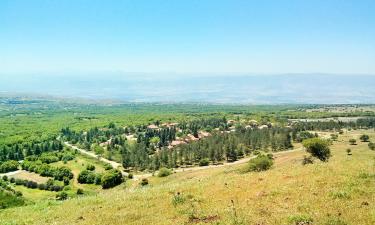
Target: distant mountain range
<point>174,88</point>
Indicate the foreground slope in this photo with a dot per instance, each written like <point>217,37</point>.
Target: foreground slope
<point>341,191</point>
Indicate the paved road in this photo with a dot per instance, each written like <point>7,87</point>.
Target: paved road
<point>137,177</point>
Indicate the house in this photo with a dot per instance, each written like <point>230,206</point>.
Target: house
<point>191,137</point>
<point>153,127</point>
<point>203,134</point>
<point>175,143</point>
<point>230,122</point>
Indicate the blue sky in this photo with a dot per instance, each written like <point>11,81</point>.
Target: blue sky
<point>213,36</point>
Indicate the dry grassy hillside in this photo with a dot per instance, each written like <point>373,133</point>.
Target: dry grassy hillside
<point>339,192</point>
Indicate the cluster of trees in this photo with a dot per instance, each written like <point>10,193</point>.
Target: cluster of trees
<point>108,179</point>
<point>8,166</point>
<point>58,173</point>
<point>51,157</point>
<point>19,151</point>
<point>48,186</point>
<point>220,146</point>
<point>89,177</point>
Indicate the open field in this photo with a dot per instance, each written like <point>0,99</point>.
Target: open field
<point>341,191</point>
<point>25,175</point>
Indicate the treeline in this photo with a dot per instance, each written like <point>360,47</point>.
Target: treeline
<point>21,150</point>
<point>361,123</point>
<point>220,146</point>
<point>45,170</point>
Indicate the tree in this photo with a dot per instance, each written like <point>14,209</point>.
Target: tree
<point>352,141</point>
<point>111,178</point>
<point>318,148</point>
<point>364,138</point>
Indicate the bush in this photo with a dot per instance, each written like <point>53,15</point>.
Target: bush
<point>108,166</point>
<point>371,145</point>
<point>111,178</point>
<point>177,199</point>
<point>5,178</point>
<point>87,177</point>
<point>364,138</point>
<point>318,148</point>
<point>90,167</point>
<point>349,151</point>
<point>260,163</point>
<point>204,162</point>
<point>130,176</point>
<point>66,181</point>
<point>163,172</point>
<point>270,155</point>
<point>144,182</point>
<point>352,141</point>
<point>79,191</point>
<point>307,160</point>
<point>62,196</point>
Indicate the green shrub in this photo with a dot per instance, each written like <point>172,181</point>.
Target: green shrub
<point>108,166</point>
<point>90,167</point>
<point>62,196</point>
<point>5,178</point>
<point>353,141</point>
<point>8,199</point>
<point>364,138</point>
<point>130,176</point>
<point>79,191</point>
<point>260,163</point>
<point>300,219</point>
<point>318,148</point>
<point>111,178</point>
<point>144,182</point>
<point>371,145</point>
<point>307,160</point>
<point>178,199</point>
<point>163,172</point>
<point>204,162</point>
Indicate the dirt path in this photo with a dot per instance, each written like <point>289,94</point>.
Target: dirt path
<point>140,176</point>
<point>10,173</point>
<point>92,154</point>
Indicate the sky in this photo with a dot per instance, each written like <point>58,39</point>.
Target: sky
<point>187,36</point>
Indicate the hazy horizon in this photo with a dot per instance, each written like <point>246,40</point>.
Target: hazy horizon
<point>247,89</point>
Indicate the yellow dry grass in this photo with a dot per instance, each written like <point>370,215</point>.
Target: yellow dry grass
<point>342,190</point>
